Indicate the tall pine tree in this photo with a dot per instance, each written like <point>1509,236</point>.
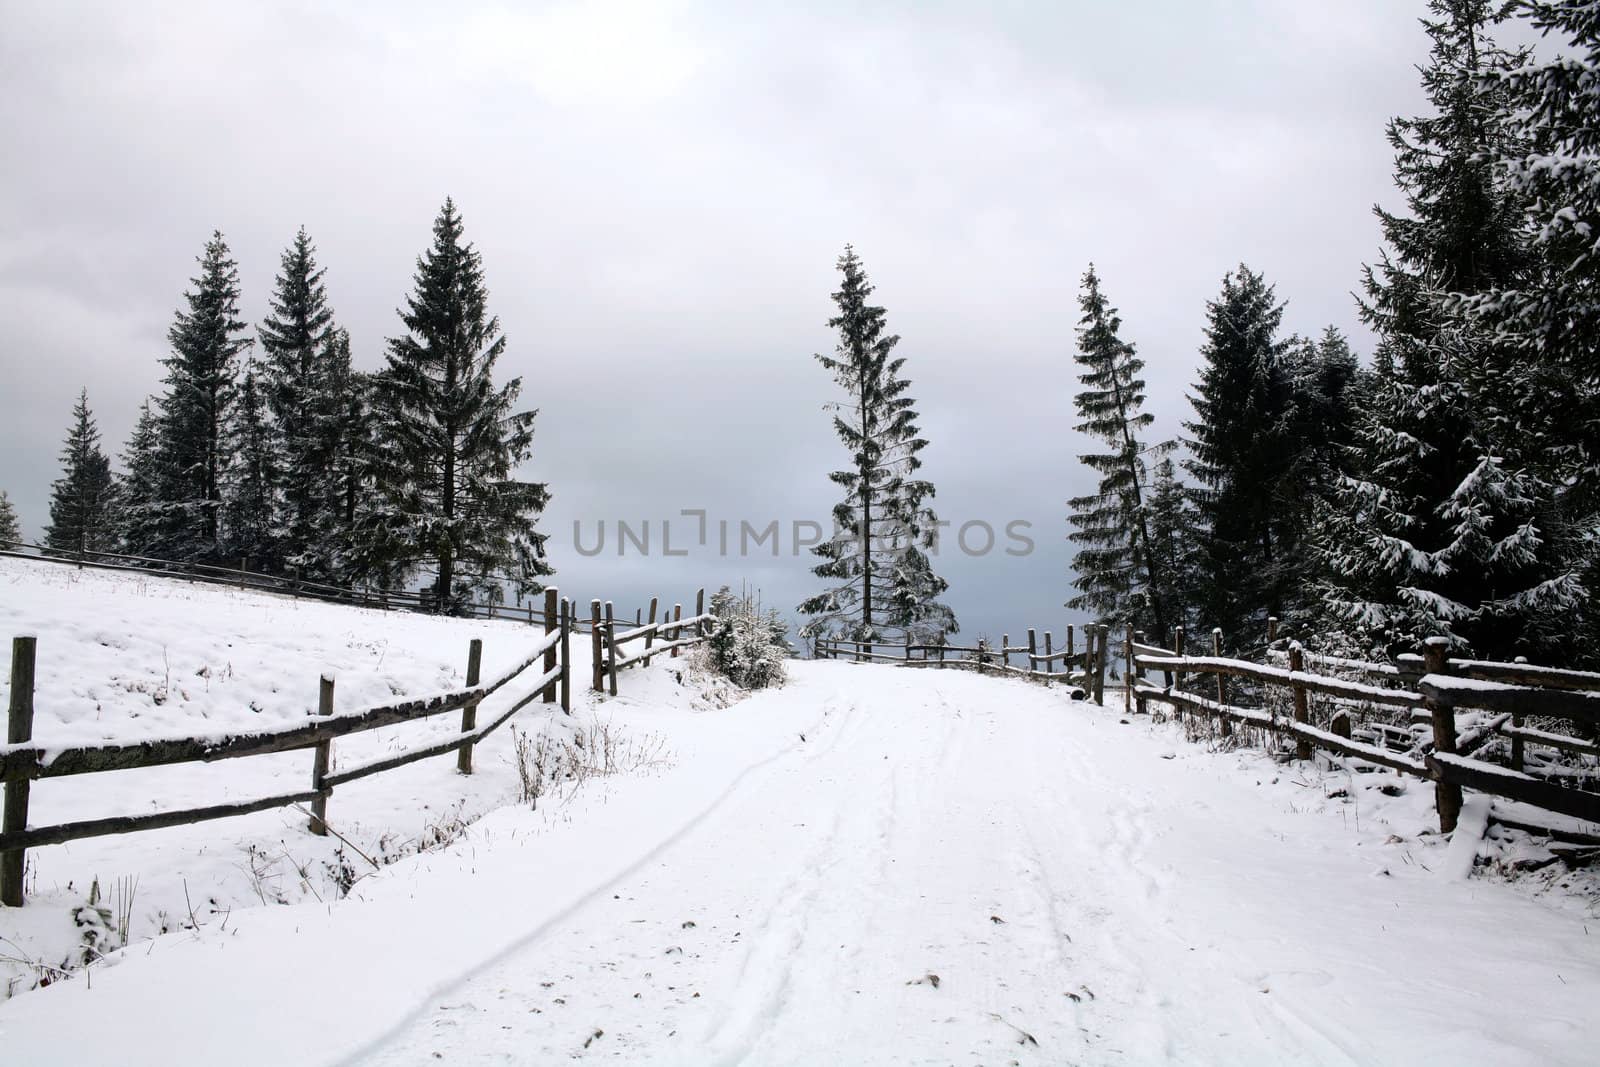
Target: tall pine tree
<point>449,441</point>
<point>139,491</point>
<point>194,410</point>
<point>1172,521</point>
<point>304,370</point>
<point>1118,575</point>
<point>1446,529</point>
<point>10,527</point>
<point>250,504</point>
<point>1242,455</point>
<point>83,499</point>
<point>1550,162</point>
<point>1550,315</point>
<point>878,556</point>
<point>344,448</point>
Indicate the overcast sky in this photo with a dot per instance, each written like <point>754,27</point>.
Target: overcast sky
<point>660,192</point>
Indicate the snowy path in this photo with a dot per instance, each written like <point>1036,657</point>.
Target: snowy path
<point>1081,899</point>
<point>1087,891</point>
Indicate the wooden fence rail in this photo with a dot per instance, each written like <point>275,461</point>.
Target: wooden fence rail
<point>1507,693</point>
<point>1428,688</point>
<point>22,760</point>
<point>1086,668</point>
<point>608,659</point>
<point>284,584</point>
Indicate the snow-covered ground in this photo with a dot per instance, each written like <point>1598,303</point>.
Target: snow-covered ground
<point>127,657</point>
<point>871,865</point>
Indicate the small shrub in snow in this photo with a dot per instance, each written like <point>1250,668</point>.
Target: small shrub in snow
<point>544,761</point>
<point>747,645</point>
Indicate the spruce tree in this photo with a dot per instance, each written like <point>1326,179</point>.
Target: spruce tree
<point>300,375</point>
<point>884,529</point>
<point>448,441</point>
<point>1118,576</point>
<point>10,528</point>
<point>343,433</point>
<point>1170,515</point>
<point>83,499</point>
<point>250,500</point>
<point>1549,159</point>
<point>1550,314</point>
<point>1445,530</point>
<point>141,510</point>
<point>1242,455</point>
<point>194,411</point>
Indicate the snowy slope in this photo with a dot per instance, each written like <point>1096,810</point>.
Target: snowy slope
<point>123,656</point>
<point>786,890</point>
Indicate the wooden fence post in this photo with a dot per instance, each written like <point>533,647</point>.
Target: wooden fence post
<point>699,610</point>
<point>611,649</point>
<point>1272,629</point>
<point>469,714</point>
<point>598,682</point>
<point>19,730</point>
<point>1127,676</point>
<point>1033,651</point>
<point>566,656</point>
<point>1091,646</point>
<point>908,646</point>
<point>677,631</point>
<point>1225,727</point>
<point>650,634</point>
<point>1447,795</point>
<point>1005,655</point>
<point>1102,653</point>
<point>1178,645</point>
<point>322,761</point>
<point>1302,709</point>
<point>551,660</point>
<point>1049,664</point>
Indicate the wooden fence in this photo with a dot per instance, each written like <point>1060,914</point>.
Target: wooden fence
<point>242,577</point>
<point>22,760</point>
<point>1086,669</point>
<point>608,643</point>
<point>1454,708</point>
<point>1462,706</point>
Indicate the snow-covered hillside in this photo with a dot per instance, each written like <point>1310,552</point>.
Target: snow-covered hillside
<point>870,865</point>
<point>126,657</point>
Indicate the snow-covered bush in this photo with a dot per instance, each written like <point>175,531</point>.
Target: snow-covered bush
<point>747,645</point>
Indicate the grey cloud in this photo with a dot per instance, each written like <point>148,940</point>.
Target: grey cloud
<point>660,193</point>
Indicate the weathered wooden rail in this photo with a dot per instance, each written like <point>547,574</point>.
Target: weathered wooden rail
<point>1431,687</point>
<point>23,760</point>
<point>291,584</point>
<point>1086,668</point>
<point>608,642</point>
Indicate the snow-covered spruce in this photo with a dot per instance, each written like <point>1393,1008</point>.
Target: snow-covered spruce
<point>748,645</point>
<point>1451,522</point>
<point>882,528</point>
<point>1118,572</point>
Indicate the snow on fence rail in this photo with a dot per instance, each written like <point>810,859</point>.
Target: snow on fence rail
<point>1090,663</point>
<point>22,760</point>
<point>1508,692</point>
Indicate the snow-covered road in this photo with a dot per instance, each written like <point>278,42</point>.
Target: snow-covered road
<point>946,869</point>
<point>956,870</point>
